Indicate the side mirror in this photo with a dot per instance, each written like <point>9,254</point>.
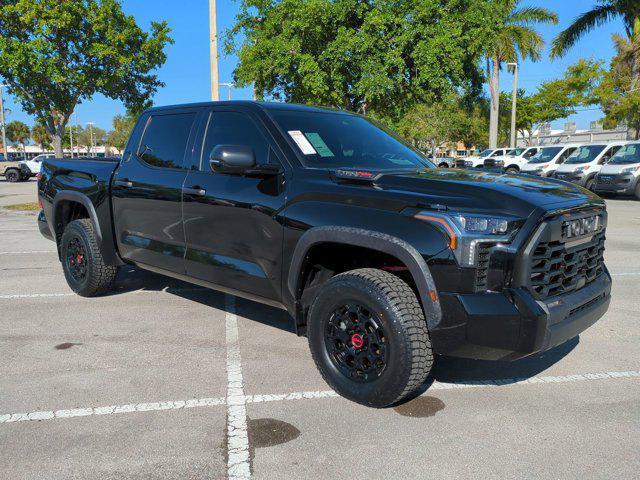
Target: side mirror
<point>232,158</point>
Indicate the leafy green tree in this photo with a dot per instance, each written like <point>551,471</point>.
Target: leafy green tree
<point>428,125</point>
<point>40,136</point>
<point>55,54</point>
<point>122,128</point>
<point>601,13</point>
<point>18,132</point>
<point>516,39</point>
<point>378,57</point>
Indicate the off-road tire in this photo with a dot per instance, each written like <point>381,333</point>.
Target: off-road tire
<point>396,307</point>
<point>99,277</point>
<point>12,175</point>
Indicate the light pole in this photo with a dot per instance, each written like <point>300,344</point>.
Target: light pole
<point>213,40</point>
<point>514,99</point>
<point>70,136</point>
<point>230,86</point>
<point>4,130</point>
<point>91,136</point>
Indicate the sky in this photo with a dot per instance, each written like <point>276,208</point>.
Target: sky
<point>187,78</point>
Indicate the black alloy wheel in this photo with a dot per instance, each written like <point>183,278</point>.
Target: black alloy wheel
<point>76,259</point>
<point>356,343</point>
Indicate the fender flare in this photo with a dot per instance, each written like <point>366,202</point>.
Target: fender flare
<point>86,202</point>
<point>376,241</point>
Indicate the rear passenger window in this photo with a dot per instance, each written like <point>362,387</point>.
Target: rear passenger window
<point>165,139</point>
<point>233,128</point>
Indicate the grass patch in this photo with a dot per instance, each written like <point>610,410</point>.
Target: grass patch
<point>32,206</point>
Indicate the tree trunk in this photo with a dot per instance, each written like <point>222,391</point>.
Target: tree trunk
<point>56,139</point>
<point>24,151</point>
<point>635,58</point>
<point>494,89</point>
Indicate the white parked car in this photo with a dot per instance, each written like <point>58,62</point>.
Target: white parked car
<point>35,164</point>
<point>477,161</point>
<point>513,161</point>
<point>583,164</point>
<point>621,174</point>
<point>548,159</point>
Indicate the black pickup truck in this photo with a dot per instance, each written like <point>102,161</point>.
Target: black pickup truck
<point>381,259</point>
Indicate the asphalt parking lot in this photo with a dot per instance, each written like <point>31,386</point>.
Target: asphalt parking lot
<point>162,379</point>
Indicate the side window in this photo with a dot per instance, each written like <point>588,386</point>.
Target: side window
<point>608,154</point>
<point>234,128</point>
<point>497,153</point>
<point>530,153</point>
<point>565,155</point>
<point>165,139</point>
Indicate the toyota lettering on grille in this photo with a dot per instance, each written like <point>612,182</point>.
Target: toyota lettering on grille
<point>581,226</point>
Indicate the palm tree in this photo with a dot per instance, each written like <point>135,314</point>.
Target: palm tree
<point>602,12</point>
<point>516,39</point>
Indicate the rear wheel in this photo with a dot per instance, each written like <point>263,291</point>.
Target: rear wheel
<point>368,337</point>
<point>82,262</point>
<point>12,175</point>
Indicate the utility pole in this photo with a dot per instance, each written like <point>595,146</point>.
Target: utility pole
<point>77,135</point>
<point>91,137</point>
<point>70,137</point>
<point>2,123</point>
<point>213,40</point>
<point>514,99</point>
<point>230,86</point>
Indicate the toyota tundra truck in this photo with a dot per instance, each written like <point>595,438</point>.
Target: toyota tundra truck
<point>380,259</point>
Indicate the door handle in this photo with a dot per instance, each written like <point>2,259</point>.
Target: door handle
<point>200,192</point>
<point>123,183</point>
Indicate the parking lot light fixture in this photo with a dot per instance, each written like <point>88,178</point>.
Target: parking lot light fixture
<point>514,98</point>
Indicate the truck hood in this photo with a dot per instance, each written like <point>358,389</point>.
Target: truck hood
<point>617,168</point>
<point>486,191</point>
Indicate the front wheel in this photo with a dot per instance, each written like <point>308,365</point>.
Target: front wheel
<point>444,165</point>
<point>638,190</point>
<point>512,170</point>
<point>82,261</point>
<point>12,175</point>
<point>589,184</point>
<point>368,337</point>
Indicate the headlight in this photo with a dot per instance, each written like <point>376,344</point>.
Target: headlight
<point>467,230</point>
<point>631,169</point>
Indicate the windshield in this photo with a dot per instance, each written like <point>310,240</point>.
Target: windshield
<point>585,154</point>
<point>545,155</point>
<point>334,140</point>
<point>626,155</point>
<point>485,153</point>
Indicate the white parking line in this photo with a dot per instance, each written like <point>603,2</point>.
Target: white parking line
<point>238,466</point>
<point>28,252</point>
<point>262,398</point>
<point>630,274</point>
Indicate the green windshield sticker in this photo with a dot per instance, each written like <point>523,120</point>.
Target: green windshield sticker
<point>319,145</point>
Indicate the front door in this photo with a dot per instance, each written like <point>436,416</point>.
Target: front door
<point>233,223</point>
<point>147,191</point>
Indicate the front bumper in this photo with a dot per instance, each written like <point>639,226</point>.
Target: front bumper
<point>624,184</point>
<point>512,324</point>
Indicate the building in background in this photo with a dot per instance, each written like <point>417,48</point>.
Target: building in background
<point>570,134</point>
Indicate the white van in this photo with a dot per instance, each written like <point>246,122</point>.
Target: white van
<point>622,173</point>
<point>583,164</point>
<point>548,159</point>
<point>477,161</point>
<point>513,161</point>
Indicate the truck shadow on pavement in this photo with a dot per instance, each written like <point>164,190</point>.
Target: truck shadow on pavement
<point>445,369</point>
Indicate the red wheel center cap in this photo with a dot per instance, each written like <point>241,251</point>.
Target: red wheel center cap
<point>357,340</point>
<point>78,258</point>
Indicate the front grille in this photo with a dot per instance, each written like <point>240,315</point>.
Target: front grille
<point>459,163</point>
<point>493,163</point>
<point>558,267</point>
<point>482,266</point>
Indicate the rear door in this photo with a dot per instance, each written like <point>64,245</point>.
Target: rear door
<point>233,223</point>
<point>147,190</point>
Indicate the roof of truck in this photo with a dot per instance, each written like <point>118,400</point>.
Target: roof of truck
<point>252,104</point>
